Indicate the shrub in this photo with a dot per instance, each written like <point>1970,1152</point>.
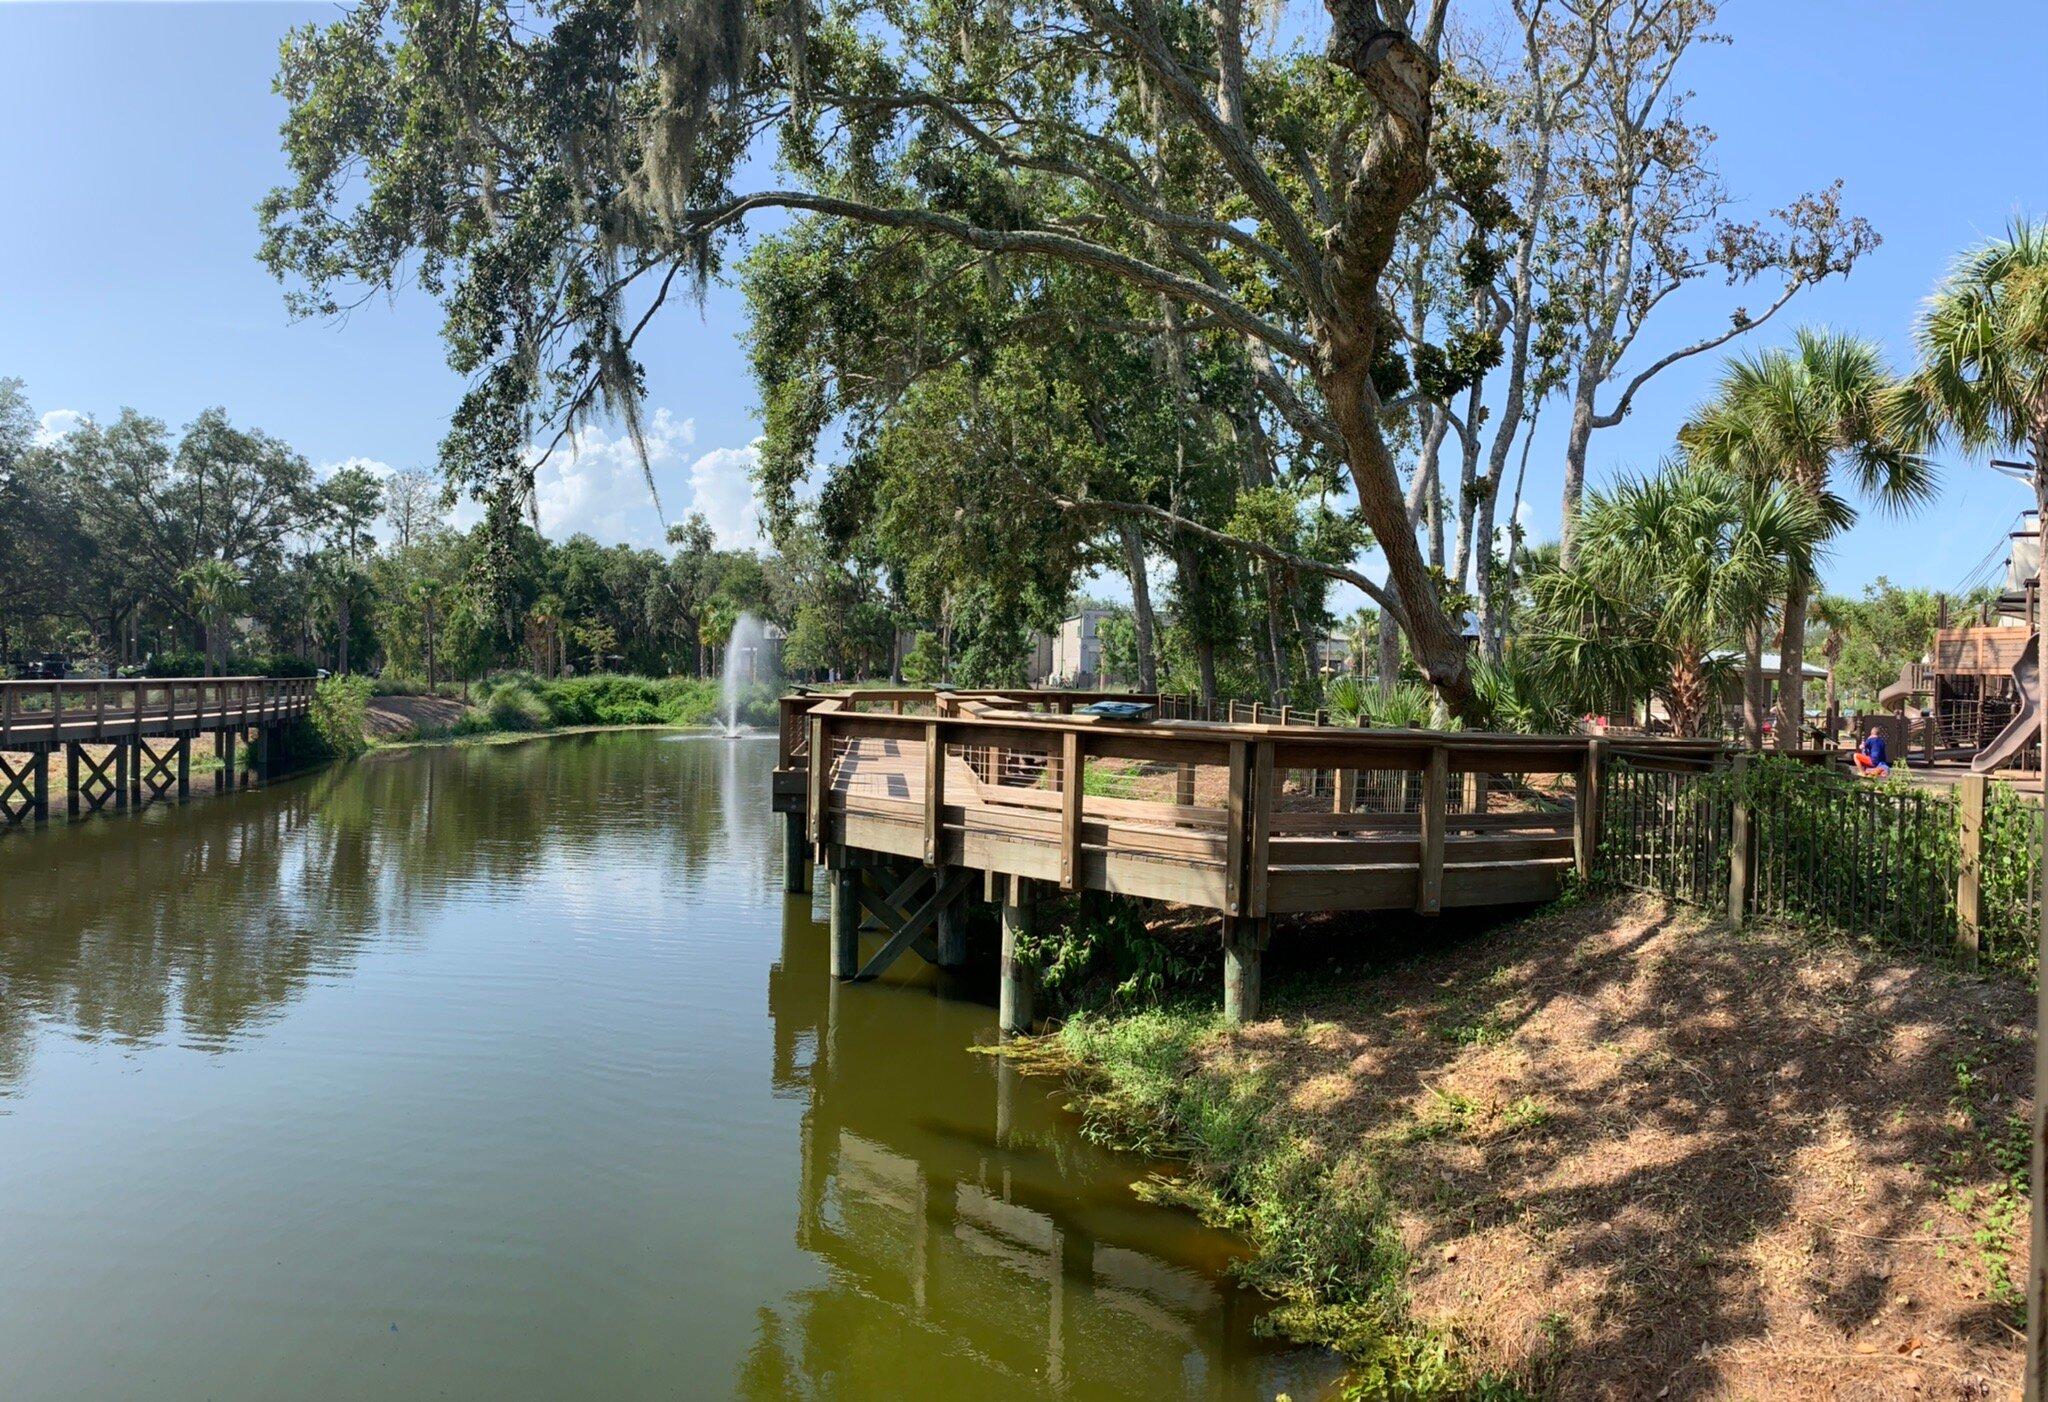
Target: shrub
<point>181,662</point>
<point>333,727</point>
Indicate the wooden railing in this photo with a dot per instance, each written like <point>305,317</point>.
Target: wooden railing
<point>1250,819</point>
<point>37,712</point>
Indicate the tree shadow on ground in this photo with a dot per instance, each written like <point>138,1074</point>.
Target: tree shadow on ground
<point>1636,1155</point>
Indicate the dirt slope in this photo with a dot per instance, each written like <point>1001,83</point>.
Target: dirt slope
<point>401,717</point>
<point>1635,1155</point>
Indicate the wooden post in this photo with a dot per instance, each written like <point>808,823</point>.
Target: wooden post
<point>226,740</point>
<point>1429,879</point>
<point>184,767</point>
<point>1244,944</point>
<point>934,794</point>
<point>1235,846</point>
<point>1741,846</point>
<point>135,761</point>
<point>1586,808</point>
<point>1017,977</point>
<point>71,777</point>
<point>121,757</point>
<point>1970,795</point>
<point>950,929</point>
<point>819,781</point>
<point>1072,780</point>
<point>42,785</point>
<point>1258,837</point>
<point>845,916</point>
<point>796,857</point>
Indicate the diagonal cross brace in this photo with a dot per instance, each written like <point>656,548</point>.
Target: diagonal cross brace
<point>945,890</point>
<point>892,907</point>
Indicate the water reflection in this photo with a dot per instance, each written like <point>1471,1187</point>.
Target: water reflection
<point>448,1073</point>
<point>971,1236</point>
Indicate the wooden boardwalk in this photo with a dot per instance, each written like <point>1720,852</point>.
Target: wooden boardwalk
<point>922,796</point>
<point>128,741</point>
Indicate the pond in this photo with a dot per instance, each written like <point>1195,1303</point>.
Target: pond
<point>509,1071</point>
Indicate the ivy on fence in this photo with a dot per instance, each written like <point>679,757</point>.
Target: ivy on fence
<point>1872,859</point>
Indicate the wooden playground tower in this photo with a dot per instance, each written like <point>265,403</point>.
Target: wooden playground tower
<point>1980,683</point>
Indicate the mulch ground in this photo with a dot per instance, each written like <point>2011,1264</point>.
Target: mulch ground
<point>403,717</point>
<point>1635,1154</point>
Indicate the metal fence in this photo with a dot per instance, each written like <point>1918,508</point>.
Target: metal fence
<point>1955,871</point>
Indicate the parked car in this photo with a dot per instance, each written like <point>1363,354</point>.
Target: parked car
<point>50,667</point>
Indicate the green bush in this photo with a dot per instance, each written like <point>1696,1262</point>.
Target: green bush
<point>333,727</point>
<point>182,662</point>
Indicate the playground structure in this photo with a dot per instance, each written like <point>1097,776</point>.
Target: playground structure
<point>1980,685</point>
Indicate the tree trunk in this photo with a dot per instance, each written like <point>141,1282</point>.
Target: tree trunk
<point>1387,666</point>
<point>1576,443</point>
<point>342,619</point>
<point>1792,663</point>
<point>1277,691</point>
<point>1753,685</point>
<point>1688,694</point>
<point>1205,669</point>
<point>1433,637</point>
<point>1141,608</point>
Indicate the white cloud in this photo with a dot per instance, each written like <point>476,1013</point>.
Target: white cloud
<point>382,471</point>
<point>722,487</point>
<point>600,487</point>
<point>56,424</point>
<point>598,484</point>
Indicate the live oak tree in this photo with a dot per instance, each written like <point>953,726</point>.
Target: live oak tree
<point>556,173</point>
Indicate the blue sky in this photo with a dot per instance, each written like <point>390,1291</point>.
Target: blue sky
<point>140,136</point>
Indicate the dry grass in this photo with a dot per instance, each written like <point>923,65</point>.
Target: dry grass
<point>1633,1154</point>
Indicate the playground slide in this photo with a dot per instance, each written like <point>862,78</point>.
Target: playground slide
<point>2026,726</point>
<point>1908,685</point>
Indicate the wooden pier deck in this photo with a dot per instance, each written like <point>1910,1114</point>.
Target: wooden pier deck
<point>1247,818</point>
<point>128,740</point>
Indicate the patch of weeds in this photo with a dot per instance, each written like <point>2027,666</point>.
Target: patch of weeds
<point>1326,1245</point>
<point>1997,1212</point>
<point>1526,1113</point>
<point>1486,1030</point>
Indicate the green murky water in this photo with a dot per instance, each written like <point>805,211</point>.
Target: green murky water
<point>510,1072</point>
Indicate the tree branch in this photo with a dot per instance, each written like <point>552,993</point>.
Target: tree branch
<point>1064,247</point>
<point>1342,573</point>
<point>1735,328</point>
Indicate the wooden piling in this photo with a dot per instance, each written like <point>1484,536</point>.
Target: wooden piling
<point>796,857</point>
<point>1017,978</point>
<point>845,916</point>
<point>1244,946</point>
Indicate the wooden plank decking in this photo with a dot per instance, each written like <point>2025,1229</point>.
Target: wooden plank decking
<point>1249,820</point>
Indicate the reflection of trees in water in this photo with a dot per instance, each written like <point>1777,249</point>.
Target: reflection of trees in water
<point>122,927</point>
<point>973,1242</point>
<point>209,919</point>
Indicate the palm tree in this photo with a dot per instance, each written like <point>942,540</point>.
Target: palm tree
<point>1669,567</point>
<point>1799,416</point>
<point>214,588</point>
<point>1981,376</point>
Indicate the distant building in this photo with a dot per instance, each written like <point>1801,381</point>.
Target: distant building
<point>1073,654</point>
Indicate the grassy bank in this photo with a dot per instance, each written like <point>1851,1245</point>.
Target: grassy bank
<point>519,703</point>
<point>1615,1150</point>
